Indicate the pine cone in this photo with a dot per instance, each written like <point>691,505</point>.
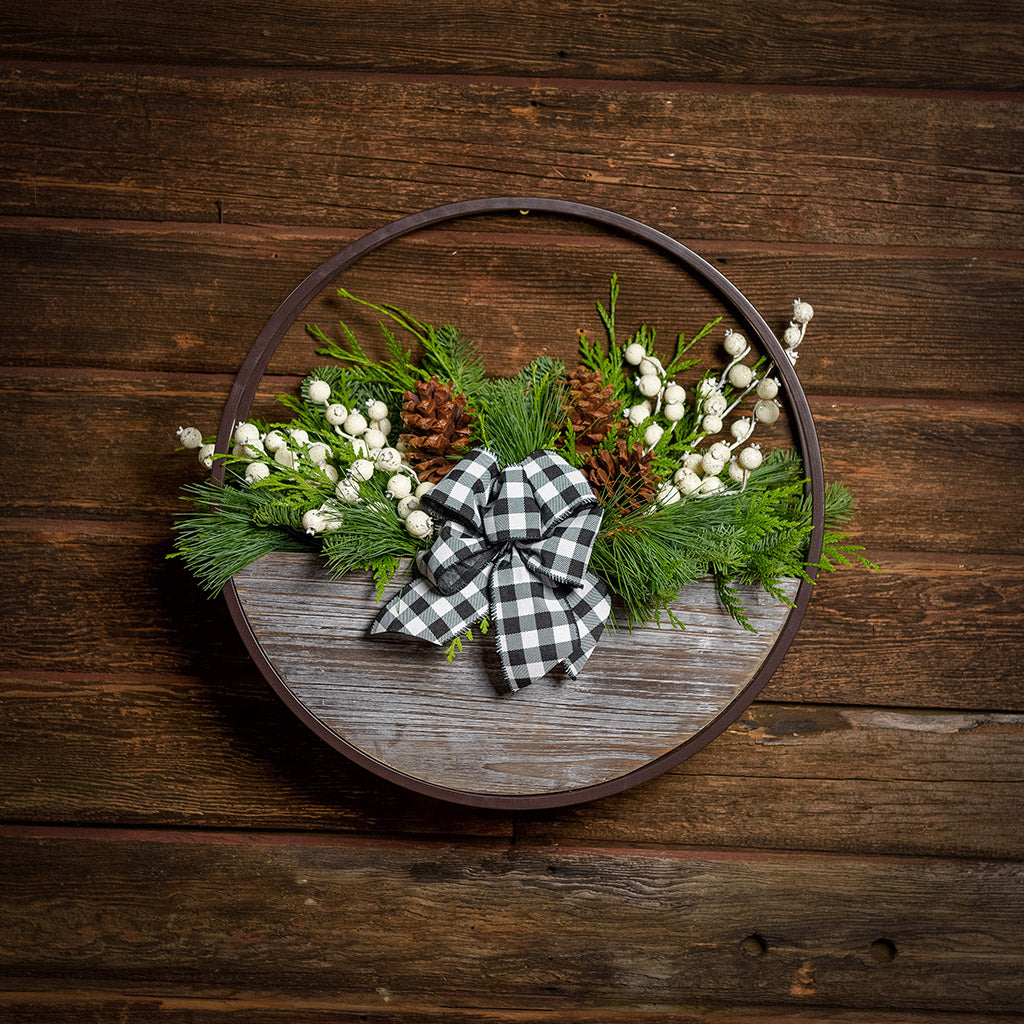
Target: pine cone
<point>439,426</point>
<point>592,410</point>
<point>622,478</point>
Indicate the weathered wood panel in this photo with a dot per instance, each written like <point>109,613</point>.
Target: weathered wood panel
<point>910,465</point>
<point>220,750</point>
<point>874,43</point>
<point>179,1004</point>
<point>181,299</point>
<point>399,702</point>
<point>567,927</point>
<point>882,169</point>
<point>907,637</point>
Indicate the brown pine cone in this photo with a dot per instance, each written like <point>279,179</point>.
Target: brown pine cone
<point>591,409</point>
<point>438,428</point>
<point>623,478</point>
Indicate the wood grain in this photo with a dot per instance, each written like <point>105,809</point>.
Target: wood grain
<point>193,299</point>
<point>180,1004</point>
<point>907,463</point>
<point>547,926</point>
<point>883,170</point>
<point>875,44</point>
<point>219,750</point>
<point>399,702</point>
<point>907,637</point>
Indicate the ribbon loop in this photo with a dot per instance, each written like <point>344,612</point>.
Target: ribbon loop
<point>515,544</point>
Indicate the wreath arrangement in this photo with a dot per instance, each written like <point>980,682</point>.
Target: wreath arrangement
<point>542,504</point>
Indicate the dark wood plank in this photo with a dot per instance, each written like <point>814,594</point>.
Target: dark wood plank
<point>719,163</point>
<point>877,44</point>
<point>845,780</point>
<point>194,299</point>
<point>911,465</point>
<point>543,926</point>
<point>179,1004</point>
<point>218,750</point>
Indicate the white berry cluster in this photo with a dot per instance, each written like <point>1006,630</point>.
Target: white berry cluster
<point>723,462</point>
<point>290,450</point>
<point>794,333</point>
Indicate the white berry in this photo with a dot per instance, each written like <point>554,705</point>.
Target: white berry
<point>331,473</point>
<point>767,388</point>
<point>424,488</point>
<point>719,452</point>
<point>715,404</point>
<point>710,485</point>
<point>737,472</point>
<point>273,441</point>
<point>639,413</point>
<point>383,425</point>
<point>674,393</point>
<point>802,312</point>
<point>767,411</point>
<point>791,336</point>
<point>751,458</point>
<point>374,439</point>
<point>649,367</point>
<point>347,490</point>
<point>361,469</point>
<point>706,387</point>
<point>313,521</point>
<point>399,486</point>
<point>376,410</point>
<point>410,503</point>
<point>653,434</point>
<point>355,423</point>
<point>298,435</point>
<point>387,460</point>
<point>206,456</point>
<point>284,457</point>
<point>336,414</point>
<point>418,523</point>
<point>711,465</point>
<point>634,354</point>
<point>735,344</point>
<point>190,437</point>
<point>674,411</point>
<point>711,424</point>
<point>246,432</point>
<point>319,392</point>
<point>741,429</point>
<point>317,453</point>
<point>668,494</point>
<point>256,471</point>
<point>686,480</point>
<point>741,375</point>
<point>649,385</point>
<point>692,461</point>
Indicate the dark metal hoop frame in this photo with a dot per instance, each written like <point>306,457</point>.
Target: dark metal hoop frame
<point>251,372</point>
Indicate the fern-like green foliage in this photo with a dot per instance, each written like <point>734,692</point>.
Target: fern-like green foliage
<point>524,413</point>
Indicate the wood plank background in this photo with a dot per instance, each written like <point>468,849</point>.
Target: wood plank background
<point>174,845</point>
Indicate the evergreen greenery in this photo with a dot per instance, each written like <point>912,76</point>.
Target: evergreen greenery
<point>754,534</point>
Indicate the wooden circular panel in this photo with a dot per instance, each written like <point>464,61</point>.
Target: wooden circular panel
<point>645,700</point>
<point>398,702</point>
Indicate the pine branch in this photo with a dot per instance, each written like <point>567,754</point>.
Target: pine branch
<point>523,413</point>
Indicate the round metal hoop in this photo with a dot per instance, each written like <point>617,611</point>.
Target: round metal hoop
<point>251,372</point>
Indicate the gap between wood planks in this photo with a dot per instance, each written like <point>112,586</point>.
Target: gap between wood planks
<point>278,74</point>
<point>435,235</point>
<point>189,835</point>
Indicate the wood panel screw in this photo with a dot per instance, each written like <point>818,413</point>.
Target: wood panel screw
<point>754,945</point>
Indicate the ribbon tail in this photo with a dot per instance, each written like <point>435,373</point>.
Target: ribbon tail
<point>420,611</point>
<point>539,628</point>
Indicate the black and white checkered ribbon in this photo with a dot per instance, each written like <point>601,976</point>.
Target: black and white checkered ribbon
<point>513,543</point>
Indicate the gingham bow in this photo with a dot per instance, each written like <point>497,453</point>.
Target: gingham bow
<point>515,544</point>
